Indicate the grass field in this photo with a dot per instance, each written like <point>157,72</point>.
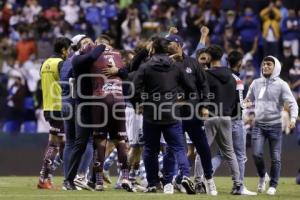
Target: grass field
<point>24,188</point>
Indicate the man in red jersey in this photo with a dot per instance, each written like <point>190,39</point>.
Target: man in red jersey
<point>109,113</point>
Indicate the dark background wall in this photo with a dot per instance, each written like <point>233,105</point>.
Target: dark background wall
<point>22,155</point>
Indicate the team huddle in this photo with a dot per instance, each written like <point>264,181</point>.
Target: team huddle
<point>151,109</point>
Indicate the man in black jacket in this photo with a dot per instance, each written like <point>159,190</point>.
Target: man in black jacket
<point>157,83</point>
<point>223,86</point>
<point>238,131</point>
<point>192,124</point>
<point>81,67</point>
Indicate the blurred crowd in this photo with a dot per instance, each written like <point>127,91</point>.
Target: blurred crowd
<point>257,28</point>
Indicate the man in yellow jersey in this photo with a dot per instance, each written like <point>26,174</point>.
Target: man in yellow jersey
<point>51,90</point>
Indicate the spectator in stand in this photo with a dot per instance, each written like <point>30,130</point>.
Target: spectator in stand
<point>93,16</point>
<point>17,17</point>
<point>248,26</point>
<point>42,24</point>
<point>52,13</point>
<point>7,12</point>
<point>31,10</point>
<point>44,46</point>
<point>283,10</point>
<point>6,50</point>
<point>71,11</point>
<point>15,98</point>
<point>294,78</point>
<point>25,48</point>
<point>271,29</point>
<point>287,61</point>
<point>290,31</point>
<point>131,29</point>
<point>83,26</point>
<point>228,20</point>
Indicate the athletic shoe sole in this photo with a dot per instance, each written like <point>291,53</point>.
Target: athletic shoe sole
<point>127,187</point>
<point>83,186</point>
<point>189,186</point>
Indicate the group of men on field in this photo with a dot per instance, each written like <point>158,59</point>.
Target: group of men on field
<point>97,99</point>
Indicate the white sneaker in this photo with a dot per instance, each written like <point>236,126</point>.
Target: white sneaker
<point>245,191</point>
<point>271,191</point>
<point>81,183</point>
<point>211,187</point>
<point>169,189</point>
<point>179,187</point>
<point>262,183</point>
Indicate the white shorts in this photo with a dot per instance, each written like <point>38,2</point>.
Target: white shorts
<point>134,127</point>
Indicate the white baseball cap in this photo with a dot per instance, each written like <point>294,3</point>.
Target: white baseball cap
<point>77,38</point>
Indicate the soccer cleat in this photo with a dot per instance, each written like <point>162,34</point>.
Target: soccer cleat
<point>126,184</point>
<point>200,188</point>
<point>151,189</point>
<point>82,183</point>
<point>211,187</point>
<point>106,177</point>
<point>236,190</point>
<point>67,185</point>
<point>45,184</point>
<point>188,185</point>
<point>169,189</point>
<point>271,191</point>
<point>261,187</point>
<point>245,191</point>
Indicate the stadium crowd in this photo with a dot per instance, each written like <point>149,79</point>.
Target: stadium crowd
<point>258,39</point>
<point>29,27</point>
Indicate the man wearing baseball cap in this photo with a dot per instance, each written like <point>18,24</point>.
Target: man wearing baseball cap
<point>68,111</point>
<point>193,126</point>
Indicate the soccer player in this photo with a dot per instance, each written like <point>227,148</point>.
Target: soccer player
<point>268,95</point>
<point>109,113</point>
<point>52,104</point>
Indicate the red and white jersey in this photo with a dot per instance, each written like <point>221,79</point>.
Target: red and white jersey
<point>103,85</point>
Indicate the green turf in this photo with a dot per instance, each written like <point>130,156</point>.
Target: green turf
<point>25,188</point>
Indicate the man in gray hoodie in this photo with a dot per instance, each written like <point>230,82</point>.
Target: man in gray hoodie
<point>268,95</point>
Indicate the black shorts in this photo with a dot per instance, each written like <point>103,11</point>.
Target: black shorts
<point>109,116</point>
<point>56,122</point>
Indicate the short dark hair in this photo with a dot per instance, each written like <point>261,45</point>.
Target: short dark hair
<point>160,45</point>
<point>60,43</point>
<point>269,58</point>
<point>125,55</point>
<point>215,52</point>
<point>200,51</point>
<point>234,57</point>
